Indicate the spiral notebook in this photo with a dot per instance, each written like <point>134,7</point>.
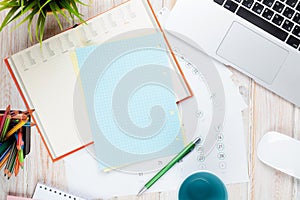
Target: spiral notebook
<point>44,192</point>
<point>46,79</point>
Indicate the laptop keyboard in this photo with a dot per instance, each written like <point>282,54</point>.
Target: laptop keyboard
<point>280,18</point>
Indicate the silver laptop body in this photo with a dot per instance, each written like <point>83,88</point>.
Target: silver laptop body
<point>261,38</point>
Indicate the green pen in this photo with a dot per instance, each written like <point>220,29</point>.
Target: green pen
<point>176,159</point>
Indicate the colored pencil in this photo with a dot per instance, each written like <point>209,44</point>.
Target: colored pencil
<point>14,148</point>
<point>12,166</point>
<point>3,119</point>
<point>4,160</point>
<point>19,139</point>
<point>19,116</point>
<point>21,158</point>
<point>4,154</point>
<point>17,165</point>
<point>12,156</point>
<point>6,144</point>
<point>28,112</point>
<point>16,121</point>
<point>15,128</point>
<point>5,127</point>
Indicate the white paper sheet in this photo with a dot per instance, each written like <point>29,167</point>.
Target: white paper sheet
<point>87,180</point>
<point>228,158</point>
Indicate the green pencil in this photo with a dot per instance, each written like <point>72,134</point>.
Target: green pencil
<point>5,127</point>
<point>12,155</point>
<point>176,159</point>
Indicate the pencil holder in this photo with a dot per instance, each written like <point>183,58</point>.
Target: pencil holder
<point>15,136</point>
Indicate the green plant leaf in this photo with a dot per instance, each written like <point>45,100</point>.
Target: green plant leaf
<point>48,1</point>
<point>54,11</point>
<point>9,3</point>
<point>71,10</point>
<point>8,16</point>
<point>8,6</point>
<point>38,31</point>
<point>22,4</point>
<point>30,8</point>
<point>62,13</point>
<point>42,29</point>
<point>73,4</point>
<point>30,18</point>
<point>80,2</point>
<point>22,12</point>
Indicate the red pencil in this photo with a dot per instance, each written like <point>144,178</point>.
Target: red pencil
<point>20,139</point>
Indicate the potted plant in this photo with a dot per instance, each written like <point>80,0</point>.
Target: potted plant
<point>41,8</point>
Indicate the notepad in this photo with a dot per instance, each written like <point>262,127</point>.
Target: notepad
<point>46,78</point>
<point>9,197</point>
<point>44,192</point>
<point>148,84</point>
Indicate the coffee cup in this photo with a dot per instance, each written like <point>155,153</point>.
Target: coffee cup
<point>202,185</point>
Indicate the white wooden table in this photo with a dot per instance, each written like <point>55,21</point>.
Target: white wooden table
<point>266,112</point>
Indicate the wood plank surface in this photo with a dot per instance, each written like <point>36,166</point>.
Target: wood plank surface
<point>266,112</point>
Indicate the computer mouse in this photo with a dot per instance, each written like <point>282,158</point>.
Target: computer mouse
<point>280,152</point>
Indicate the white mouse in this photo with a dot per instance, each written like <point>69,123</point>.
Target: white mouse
<point>280,152</point>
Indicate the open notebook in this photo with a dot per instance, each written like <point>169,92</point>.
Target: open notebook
<point>46,78</point>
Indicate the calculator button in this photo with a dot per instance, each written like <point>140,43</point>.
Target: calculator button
<point>201,158</point>
<point>220,137</point>
<point>221,155</point>
<point>200,149</point>
<point>220,146</point>
<point>202,166</point>
<point>222,165</point>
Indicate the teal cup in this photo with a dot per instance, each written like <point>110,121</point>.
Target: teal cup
<point>202,185</point>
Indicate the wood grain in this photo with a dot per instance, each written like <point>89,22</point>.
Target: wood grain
<point>265,112</point>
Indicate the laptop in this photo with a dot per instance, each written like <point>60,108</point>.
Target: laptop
<point>260,38</point>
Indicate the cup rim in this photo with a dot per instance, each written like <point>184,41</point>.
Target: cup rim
<point>200,171</point>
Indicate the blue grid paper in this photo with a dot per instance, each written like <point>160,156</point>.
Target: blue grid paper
<point>168,139</point>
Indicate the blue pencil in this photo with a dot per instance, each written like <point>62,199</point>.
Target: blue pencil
<point>5,152</point>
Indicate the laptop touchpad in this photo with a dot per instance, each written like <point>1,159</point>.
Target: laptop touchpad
<point>252,52</point>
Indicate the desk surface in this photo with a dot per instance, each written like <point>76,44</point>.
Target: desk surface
<point>266,112</point>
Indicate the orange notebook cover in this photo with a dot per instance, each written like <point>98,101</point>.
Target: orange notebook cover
<point>45,78</point>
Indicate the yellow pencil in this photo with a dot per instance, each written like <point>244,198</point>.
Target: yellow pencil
<point>15,128</point>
